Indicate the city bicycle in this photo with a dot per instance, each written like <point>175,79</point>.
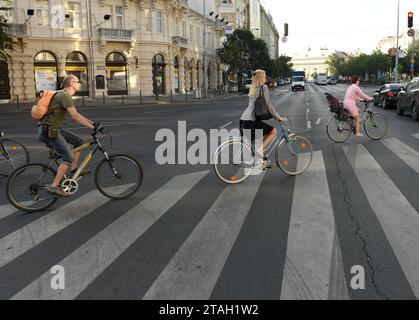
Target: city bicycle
<point>117,176</point>
<point>235,160</point>
<point>341,125</point>
<point>13,154</point>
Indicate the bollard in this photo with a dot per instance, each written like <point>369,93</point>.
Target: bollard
<point>141,97</point>
<point>122,98</point>
<point>82,98</point>
<point>186,95</point>
<point>103,97</point>
<point>17,100</point>
<point>171,96</point>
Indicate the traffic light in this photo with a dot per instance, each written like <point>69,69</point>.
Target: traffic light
<point>285,29</point>
<point>410,20</point>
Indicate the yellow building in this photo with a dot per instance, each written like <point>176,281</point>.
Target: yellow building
<point>114,46</point>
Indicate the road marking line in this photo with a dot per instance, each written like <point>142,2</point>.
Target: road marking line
<point>311,237</point>
<point>404,152</point>
<point>399,220</point>
<point>194,270</point>
<point>6,210</point>
<point>226,125</point>
<point>318,121</point>
<point>87,262</point>
<point>416,135</point>
<point>24,239</point>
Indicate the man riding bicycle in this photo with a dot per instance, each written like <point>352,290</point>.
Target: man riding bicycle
<point>51,131</point>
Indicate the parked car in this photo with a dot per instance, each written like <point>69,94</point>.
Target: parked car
<point>247,85</point>
<point>386,96</point>
<point>332,80</point>
<point>408,99</point>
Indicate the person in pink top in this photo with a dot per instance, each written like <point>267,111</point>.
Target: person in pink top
<point>353,94</point>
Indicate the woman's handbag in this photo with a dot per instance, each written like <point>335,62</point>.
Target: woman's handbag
<point>261,108</point>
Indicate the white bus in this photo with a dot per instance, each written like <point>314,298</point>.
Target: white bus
<point>321,79</point>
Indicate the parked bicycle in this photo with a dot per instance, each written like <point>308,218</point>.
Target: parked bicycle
<point>294,154</point>
<point>117,176</point>
<point>341,125</point>
<point>13,154</point>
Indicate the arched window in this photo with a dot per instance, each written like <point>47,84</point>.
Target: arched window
<point>76,64</point>
<point>116,74</point>
<point>4,78</point>
<point>46,74</point>
<point>159,68</point>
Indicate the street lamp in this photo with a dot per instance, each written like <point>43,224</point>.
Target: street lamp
<point>396,68</point>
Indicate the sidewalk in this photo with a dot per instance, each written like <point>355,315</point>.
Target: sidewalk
<point>121,101</point>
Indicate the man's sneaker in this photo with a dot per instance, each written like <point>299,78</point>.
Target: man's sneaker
<point>57,191</point>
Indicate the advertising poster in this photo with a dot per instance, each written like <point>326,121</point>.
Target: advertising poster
<point>45,78</point>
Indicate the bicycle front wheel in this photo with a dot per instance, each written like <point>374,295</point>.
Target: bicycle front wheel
<point>119,177</point>
<point>375,125</point>
<point>295,156</point>
<point>233,161</point>
<point>26,187</point>
<point>338,130</point>
<point>13,154</point>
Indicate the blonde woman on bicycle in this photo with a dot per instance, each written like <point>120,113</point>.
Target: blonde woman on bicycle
<point>248,120</point>
<point>354,94</point>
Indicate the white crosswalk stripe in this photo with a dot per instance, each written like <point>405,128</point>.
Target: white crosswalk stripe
<point>310,238</point>
<point>399,220</point>
<point>22,240</point>
<point>193,272</point>
<point>6,210</point>
<point>406,153</point>
<point>313,266</point>
<point>88,261</point>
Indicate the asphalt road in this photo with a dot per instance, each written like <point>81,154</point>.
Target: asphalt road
<point>186,235</point>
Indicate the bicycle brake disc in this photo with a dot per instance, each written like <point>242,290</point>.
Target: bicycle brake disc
<point>70,186</point>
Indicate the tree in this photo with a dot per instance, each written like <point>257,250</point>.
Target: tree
<point>335,63</point>
<point>6,42</point>
<point>282,67</point>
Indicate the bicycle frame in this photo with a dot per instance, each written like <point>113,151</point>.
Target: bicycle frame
<point>94,146</point>
<point>2,148</point>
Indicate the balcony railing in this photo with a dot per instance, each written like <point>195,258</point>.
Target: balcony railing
<point>116,34</point>
<point>180,41</point>
<point>17,30</point>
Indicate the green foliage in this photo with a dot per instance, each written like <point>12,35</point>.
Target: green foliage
<point>243,52</point>
<point>6,42</point>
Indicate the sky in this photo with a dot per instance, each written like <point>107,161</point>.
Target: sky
<point>339,24</point>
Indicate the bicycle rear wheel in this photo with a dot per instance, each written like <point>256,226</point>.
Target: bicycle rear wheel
<point>13,154</point>
<point>375,125</point>
<point>233,161</point>
<point>295,156</point>
<point>338,130</point>
<point>119,177</point>
<point>26,187</point>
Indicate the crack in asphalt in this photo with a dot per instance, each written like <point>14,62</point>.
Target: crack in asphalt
<point>349,210</point>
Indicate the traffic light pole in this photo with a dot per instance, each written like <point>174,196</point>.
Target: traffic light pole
<point>396,68</point>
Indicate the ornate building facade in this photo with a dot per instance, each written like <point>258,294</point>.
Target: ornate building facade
<point>114,46</point>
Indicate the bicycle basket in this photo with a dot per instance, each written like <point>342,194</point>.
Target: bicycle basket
<point>334,104</point>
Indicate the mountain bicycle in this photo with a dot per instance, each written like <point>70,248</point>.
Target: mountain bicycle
<point>342,125</point>
<point>117,176</point>
<point>12,155</point>
<point>234,160</point>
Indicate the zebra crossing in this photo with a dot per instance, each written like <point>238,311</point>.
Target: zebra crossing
<point>314,267</point>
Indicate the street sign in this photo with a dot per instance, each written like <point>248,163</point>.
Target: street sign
<point>411,32</point>
<point>392,52</point>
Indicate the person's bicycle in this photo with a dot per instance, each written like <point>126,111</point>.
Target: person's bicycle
<point>13,154</point>
<point>117,176</point>
<point>234,160</point>
<point>341,125</point>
